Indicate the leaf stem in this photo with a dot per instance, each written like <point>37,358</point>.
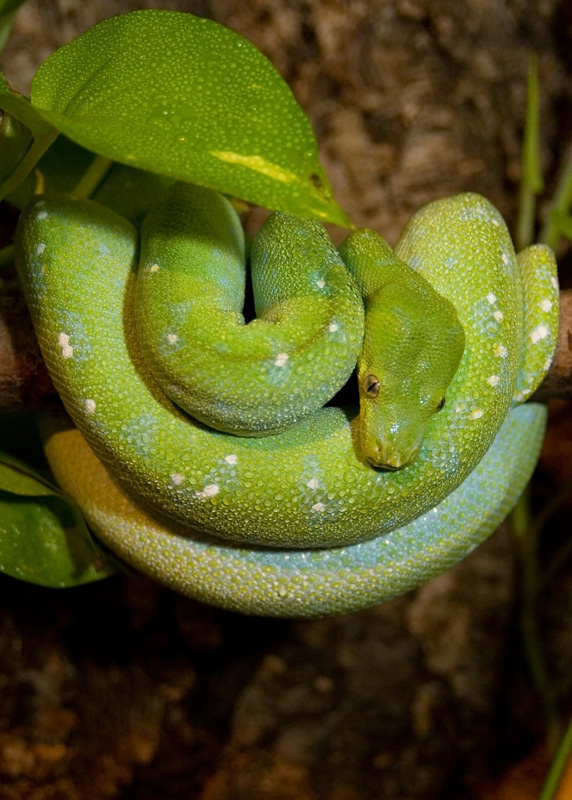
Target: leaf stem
<point>27,164</point>
<point>92,177</point>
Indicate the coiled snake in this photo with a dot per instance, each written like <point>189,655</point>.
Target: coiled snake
<point>304,509</point>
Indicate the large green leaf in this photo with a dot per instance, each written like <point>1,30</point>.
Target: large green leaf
<point>40,543</point>
<point>183,96</point>
<point>43,538</point>
<point>20,478</point>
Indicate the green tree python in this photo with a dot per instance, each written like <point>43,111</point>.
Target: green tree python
<point>306,508</point>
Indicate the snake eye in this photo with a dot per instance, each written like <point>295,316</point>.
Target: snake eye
<point>441,404</point>
<point>371,385</point>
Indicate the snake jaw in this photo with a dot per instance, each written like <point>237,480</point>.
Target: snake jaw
<point>390,456</point>
<point>386,441</point>
<point>391,461</point>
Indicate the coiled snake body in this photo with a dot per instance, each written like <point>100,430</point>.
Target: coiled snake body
<point>302,521</point>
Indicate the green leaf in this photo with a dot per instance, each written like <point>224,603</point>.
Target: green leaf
<point>43,538</point>
<point>18,477</point>
<point>41,542</point>
<point>185,97</point>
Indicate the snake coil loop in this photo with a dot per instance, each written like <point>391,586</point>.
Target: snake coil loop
<point>312,526</point>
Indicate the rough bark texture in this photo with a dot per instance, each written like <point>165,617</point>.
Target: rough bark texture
<point>123,690</point>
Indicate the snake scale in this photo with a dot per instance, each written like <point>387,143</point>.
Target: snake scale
<point>337,508</point>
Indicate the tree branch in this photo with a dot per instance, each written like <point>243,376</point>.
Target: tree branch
<point>558,382</point>
<point>24,381</point>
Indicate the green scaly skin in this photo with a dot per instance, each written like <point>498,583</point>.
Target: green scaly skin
<point>403,372</point>
<point>253,379</point>
<point>309,486</point>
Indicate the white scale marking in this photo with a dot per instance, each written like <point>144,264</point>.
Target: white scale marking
<point>491,298</point>
<point>500,351</point>
<point>64,343</point>
<point>281,359</point>
<point>172,338</point>
<point>231,459</point>
<point>43,215</point>
<point>90,406</point>
<point>539,333</point>
<point>499,316</point>
<point>477,413</point>
<point>154,268</point>
<point>210,490</point>
<point>333,327</point>
<point>494,380</point>
<point>318,508</point>
<point>40,248</point>
<point>321,283</point>
<point>546,305</point>
<point>313,483</point>
<point>177,478</point>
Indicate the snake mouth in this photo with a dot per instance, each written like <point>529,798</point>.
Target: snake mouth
<point>385,467</point>
<point>390,458</point>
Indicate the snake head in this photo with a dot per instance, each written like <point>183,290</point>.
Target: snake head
<point>412,348</point>
<point>392,433</point>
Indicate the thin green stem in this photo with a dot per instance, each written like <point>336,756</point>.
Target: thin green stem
<point>526,217</point>
<point>531,183</point>
<point>27,164</point>
<point>92,177</point>
<point>526,532</point>
<point>561,205</point>
<point>558,765</point>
